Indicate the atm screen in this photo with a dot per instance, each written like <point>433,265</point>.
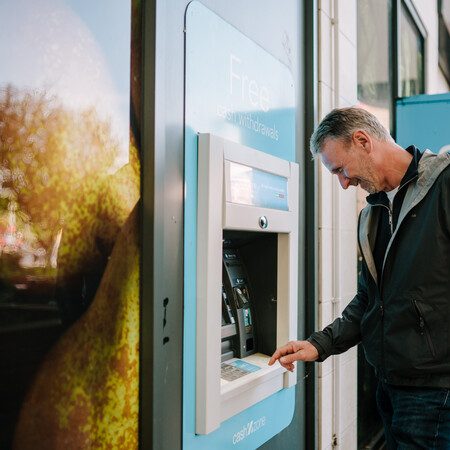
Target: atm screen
<point>250,186</point>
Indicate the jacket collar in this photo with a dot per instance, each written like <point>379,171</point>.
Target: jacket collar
<point>429,167</point>
<point>411,172</point>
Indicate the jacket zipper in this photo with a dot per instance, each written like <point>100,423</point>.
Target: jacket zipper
<point>423,329</point>
<point>391,226</point>
<point>383,365</point>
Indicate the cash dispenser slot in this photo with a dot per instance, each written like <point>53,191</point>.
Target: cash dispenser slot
<point>249,287</point>
<point>237,290</point>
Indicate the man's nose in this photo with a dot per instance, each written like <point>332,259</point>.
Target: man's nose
<point>344,181</point>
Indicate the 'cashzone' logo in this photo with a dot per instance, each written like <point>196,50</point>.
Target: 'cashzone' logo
<point>248,429</point>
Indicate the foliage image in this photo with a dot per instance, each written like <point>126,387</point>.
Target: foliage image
<point>69,241</point>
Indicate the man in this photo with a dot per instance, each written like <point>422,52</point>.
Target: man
<point>401,312</point>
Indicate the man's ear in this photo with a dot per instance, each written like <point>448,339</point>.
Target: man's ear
<point>362,140</point>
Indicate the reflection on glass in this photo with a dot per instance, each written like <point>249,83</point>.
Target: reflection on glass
<point>50,155</point>
<point>64,127</point>
<point>69,181</point>
<point>411,57</point>
<point>374,70</point>
<point>374,79</point>
<point>250,186</point>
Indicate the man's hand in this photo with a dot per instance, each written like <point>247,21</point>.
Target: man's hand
<point>294,351</point>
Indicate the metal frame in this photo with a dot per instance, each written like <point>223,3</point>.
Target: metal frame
<point>415,16</point>
<point>161,305</point>
<point>394,37</point>
<point>147,314</point>
<point>311,202</point>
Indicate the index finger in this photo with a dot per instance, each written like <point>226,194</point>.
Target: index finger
<point>279,352</point>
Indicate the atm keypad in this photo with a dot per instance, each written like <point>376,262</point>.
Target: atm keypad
<point>231,373</point>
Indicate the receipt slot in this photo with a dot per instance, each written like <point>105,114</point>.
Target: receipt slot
<point>247,226</point>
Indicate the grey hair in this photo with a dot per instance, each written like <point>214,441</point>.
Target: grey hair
<point>341,123</point>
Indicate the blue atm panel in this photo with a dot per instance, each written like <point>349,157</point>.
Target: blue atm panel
<point>237,91</point>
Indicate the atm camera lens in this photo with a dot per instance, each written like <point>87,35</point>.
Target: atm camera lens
<point>263,222</point>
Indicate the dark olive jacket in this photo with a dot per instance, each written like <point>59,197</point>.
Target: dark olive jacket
<point>402,316</point>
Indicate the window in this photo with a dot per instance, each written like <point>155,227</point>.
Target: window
<point>412,80</point>
<point>374,71</point>
<point>381,45</point>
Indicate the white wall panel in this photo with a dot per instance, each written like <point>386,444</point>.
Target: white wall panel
<point>326,6</point>
<point>326,271</point>
<point>326,182</point>
<point>326,422</point>
<point>346,18</point>
<point>326,53</point>
<point>346,69</point>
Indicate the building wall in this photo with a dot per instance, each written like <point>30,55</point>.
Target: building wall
<point>337,218</point>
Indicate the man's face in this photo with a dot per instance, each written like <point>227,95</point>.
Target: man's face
<point>352,165</point>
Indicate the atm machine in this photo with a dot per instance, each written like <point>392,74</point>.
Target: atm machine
<point>246,277</point>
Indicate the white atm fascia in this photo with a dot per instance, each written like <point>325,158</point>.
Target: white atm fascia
<point>216,399</point>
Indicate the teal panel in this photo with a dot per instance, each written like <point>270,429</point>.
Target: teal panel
<point>423,120</point>
<point>238,91</point>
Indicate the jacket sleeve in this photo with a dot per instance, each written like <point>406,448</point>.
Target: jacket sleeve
<point>345,331</point>
<point>445,200</point>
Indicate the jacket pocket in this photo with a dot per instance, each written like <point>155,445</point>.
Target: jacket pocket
<point>423,328</point>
